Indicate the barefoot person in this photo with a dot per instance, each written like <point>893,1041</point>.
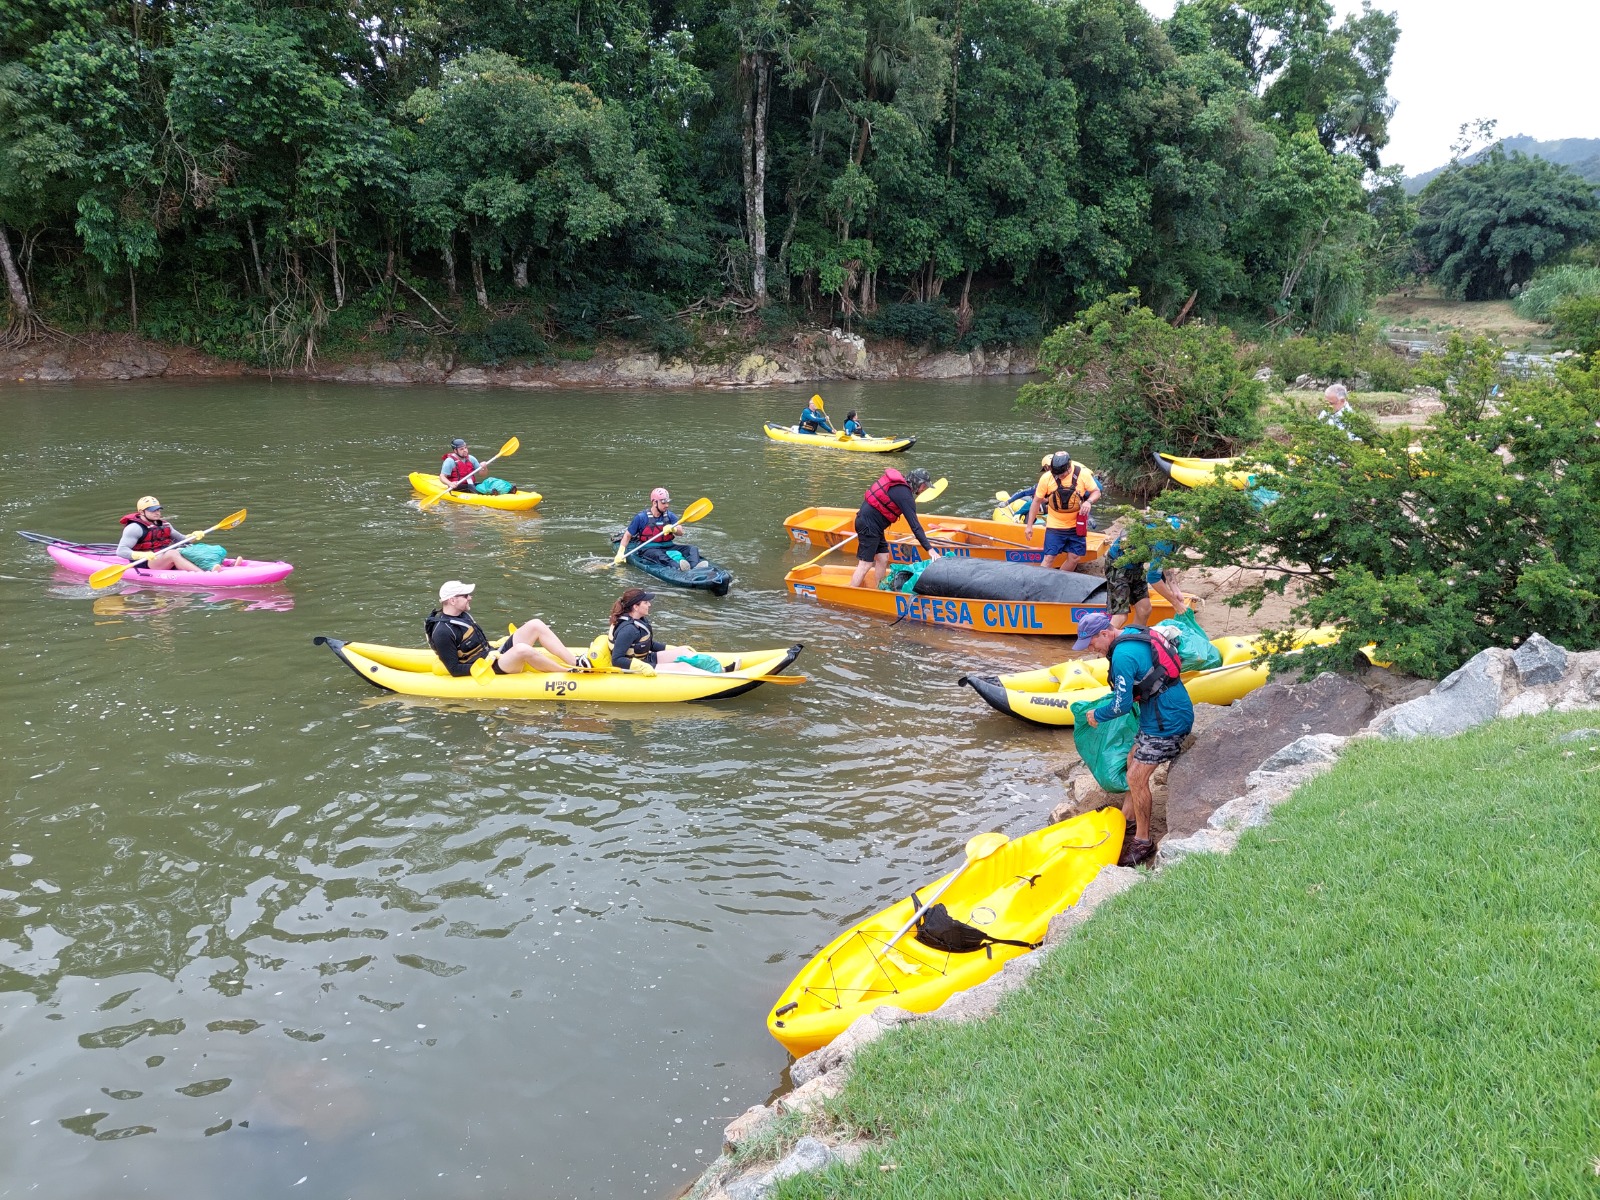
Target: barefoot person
<point>460,641</point>
<point>144,532</point>
<point>1064,495</point>
<point>1139,671</point>
<point>891,497</point>
<point>633,640</point>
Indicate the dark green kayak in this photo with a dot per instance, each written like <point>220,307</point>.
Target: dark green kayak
<point>705,578</point>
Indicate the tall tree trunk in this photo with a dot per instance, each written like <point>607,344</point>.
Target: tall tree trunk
<point>519,273</point>
<point>21,307</point>
<point>338,282</point>
<point>450,274</point>
<point>133,300</point>
<point>477,281</point>
<point>964,309</point>
<point>757,72</point>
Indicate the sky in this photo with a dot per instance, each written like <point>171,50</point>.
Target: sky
<point>1528,64</point>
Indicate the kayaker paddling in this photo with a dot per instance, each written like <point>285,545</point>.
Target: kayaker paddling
<point>1064,495</point>
<point>813,419</point>
<point>145,532</point>
<point>460,641</point>
<point>461,471</point>
<point>634,646</point>
<point>1139,671</point>
<point>891,496</point>
<point>657,528</point>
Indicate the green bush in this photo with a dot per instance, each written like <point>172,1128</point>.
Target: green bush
<point>1344,357</point>
<point>1577,324</point>
<point>1139,385</point>
<point>1548,288</point>
<point>931,325</point>
<point>997,325</point>
<point>500,340</point>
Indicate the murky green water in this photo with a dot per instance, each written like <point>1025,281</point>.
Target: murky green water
<point>260,924</point>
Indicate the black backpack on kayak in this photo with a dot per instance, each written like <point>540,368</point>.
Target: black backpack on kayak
<point>938,930</point>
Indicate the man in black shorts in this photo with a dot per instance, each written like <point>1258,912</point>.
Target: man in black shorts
<point>891,497</point>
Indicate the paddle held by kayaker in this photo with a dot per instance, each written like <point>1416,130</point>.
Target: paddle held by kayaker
<point>1064,494</point>
<point>656,528</point>
<point>634,646</point>
<point>460,469</point>
<point>890,497</point>
<point>813,419</point>
<point>145,532</point>
<point>460,641</point>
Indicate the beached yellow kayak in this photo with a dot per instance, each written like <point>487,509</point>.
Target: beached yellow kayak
<point>1011,894</point>
<point>1046,696</point>
<point>431,485</point>
<point>1197,472</point>
<point>838,441</point>
<point>418,672</point>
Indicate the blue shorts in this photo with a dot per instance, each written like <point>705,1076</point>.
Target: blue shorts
<point>1064,541</point>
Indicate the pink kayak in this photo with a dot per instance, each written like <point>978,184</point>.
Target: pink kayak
<point>248,573</point>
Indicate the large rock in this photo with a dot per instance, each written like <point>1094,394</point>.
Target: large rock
<point>1539,660</point>
<point>1216,768</point>
<point>1469,696</point>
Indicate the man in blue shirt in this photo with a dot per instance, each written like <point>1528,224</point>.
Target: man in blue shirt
<point>1129,584</point>
<point>814,420</point>
<point>1166,715</point>
<point>658,525</point>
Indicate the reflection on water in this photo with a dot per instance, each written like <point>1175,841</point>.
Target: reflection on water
<point>261,924</point>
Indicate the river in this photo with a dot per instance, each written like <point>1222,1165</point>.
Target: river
<point>265,931</point>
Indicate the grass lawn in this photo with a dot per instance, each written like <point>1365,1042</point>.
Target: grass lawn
<point>1425,313</point>
<point>1391,991</point>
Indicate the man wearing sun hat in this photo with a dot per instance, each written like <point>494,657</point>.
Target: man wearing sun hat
<point>1139,670</point>
<point>658,525</point>
<point>460,641</point>
<point>145,532</point>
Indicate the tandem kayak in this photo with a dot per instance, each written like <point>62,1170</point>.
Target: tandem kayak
<point>1011,894</point>
<point>247,572</point>
<point>432,485</point>
<point>418,672</point>
<point>838,441</point>
<point>1046,696</point>
<point>706,577</point>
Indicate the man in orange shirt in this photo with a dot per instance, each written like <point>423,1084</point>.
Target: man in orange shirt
<point>1064,494</point>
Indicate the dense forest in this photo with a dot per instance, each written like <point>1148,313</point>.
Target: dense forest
<point>264,179</point>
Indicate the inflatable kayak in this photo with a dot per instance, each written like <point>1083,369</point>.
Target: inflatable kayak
<point>838,441</point>
<point>247,573</point>
<point>418,672</point>
<point>432,485</point>
<point>705,577</point>
<point>1046,697</point>
<point>1011,894</point>
<point>1197,472</point>
<point>963,537</point>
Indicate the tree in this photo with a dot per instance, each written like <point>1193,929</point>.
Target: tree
<point>1485,227</point>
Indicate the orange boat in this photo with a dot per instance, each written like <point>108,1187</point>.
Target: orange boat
<point>965,537</point>
<point>830,584</point>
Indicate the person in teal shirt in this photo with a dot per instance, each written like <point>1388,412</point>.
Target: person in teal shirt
<point>852,426</point>
<point>814,420</point>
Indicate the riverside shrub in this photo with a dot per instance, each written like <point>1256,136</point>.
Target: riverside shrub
<point>1139,385</point>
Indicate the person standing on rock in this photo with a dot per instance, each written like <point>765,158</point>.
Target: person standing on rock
<point>1064,494</point>
<point>1144,671</point>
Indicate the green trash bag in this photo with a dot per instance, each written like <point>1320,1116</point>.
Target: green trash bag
<point>204,555</point>
<point>1104,748</point>
<point>902,577</point>
<point>705,662</point>
<point>495,487</point>
<point>1195,651</point>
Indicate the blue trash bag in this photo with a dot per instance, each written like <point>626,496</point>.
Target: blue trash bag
<point>204,555</point>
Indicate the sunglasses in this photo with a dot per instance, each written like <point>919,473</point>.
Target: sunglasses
<point>154,508</point>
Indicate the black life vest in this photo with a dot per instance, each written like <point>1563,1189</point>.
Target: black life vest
<point>811,420</point>
<point>151,537</point>
<point>472,643</point>
<point>460,468</point>
<point>878,494</point>
<point>1165,669</point>
<point>639,649</point>
<point>1067,499</point>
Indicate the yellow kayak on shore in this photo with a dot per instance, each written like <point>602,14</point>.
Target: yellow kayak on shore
<point>418,672</point>
<point>1010,894</point>
<point>791,435</point>
<point>1197,472</point>
<point>432,485</point>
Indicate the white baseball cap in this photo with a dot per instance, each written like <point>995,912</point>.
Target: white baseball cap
<point>455,588</point>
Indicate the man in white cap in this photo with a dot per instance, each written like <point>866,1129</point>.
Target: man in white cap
<point>460,641</point>
<point>658,526</point>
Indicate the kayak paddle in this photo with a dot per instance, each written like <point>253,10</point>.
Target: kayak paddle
<point>934,491</point>
<point>978,848</point>
<point>106,576</point>
<point>511,447</point>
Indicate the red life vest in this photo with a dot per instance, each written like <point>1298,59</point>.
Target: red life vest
<point>460,468</point>
<point>878,494</point>
<point>154,537</point>
<point>653,525</point>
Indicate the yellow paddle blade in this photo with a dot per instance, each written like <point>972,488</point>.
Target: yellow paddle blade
<point>229,522</point>
<point>790,679</point>
<point>106,576</point>
<point>934,492</point>
<point>511,447</point>
<point>481,668</point>
<point>1002,497</point>
<point>700,508</point>
<point>985,844</point>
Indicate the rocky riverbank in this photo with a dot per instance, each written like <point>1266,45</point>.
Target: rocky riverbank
<point>808,356</point>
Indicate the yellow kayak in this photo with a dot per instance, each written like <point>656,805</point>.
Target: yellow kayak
<point>1197,472</point>
<point>838,441</point>
<point>1046,696</point>
<point>432,485</point>
<point>1011,894</point>
<point>418,672</point>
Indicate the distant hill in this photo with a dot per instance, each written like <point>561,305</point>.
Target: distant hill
<point>1581,154</point>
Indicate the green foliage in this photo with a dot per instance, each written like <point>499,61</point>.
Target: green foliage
<point>996,325</point>
<point>1538,300</point>
<point>1139,385</point>
<point>1436,555</point>
<point>1346,358</point>
<point>931,325</point>
<point>499,340</point>
<point>1576,322</point>
<point>1487,226</point>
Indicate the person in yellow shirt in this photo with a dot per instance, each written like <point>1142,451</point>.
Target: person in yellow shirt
<point>1064,495</point>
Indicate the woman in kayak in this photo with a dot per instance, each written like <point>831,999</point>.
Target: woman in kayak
<point>633,640</point>
<point>852,426</point>
<point>144,532</point>
<point>460,641</point>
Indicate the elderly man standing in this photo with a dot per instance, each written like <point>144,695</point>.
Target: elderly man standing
<point>1337,401</point>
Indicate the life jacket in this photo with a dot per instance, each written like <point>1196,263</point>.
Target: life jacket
<point>653,525</point>
<point>635,654</point>
<point>152,537</point>
<point>471,641</point>
<point>1165,669</point>
<point>460,468</point>
<point>878,494</point>
<point>600,652</point>
<point>1066,499</point>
